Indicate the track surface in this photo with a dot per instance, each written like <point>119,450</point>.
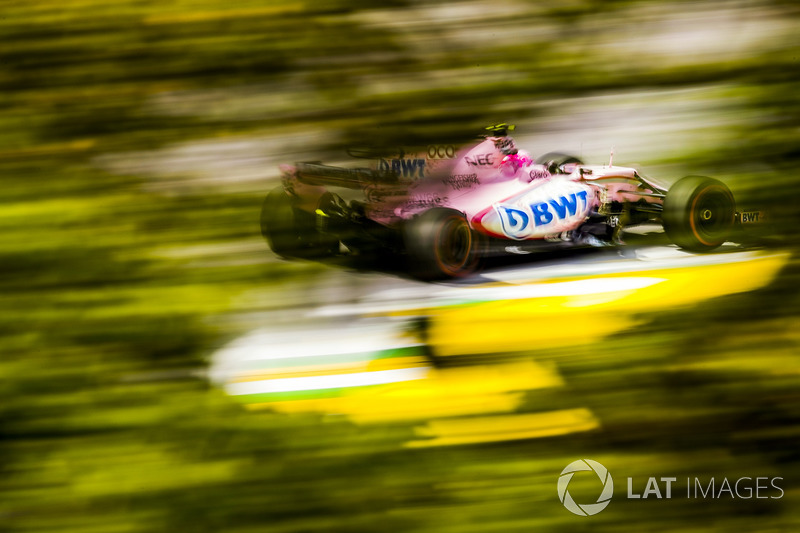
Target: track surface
<point>462,356</point>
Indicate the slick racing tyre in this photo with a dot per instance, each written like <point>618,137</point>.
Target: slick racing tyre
<point>440,245</point>
<point>698,213</point>
<point>291,232</point>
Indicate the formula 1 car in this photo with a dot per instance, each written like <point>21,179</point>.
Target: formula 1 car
<point>447,208</point>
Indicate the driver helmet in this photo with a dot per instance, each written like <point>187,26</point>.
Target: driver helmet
<point>513,162</point>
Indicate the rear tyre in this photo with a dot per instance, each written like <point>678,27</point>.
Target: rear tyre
<point>698,213</point>
<point>441,245</point>
<point>292,232</point>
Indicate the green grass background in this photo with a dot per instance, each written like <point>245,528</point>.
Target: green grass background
<point>106,319</point>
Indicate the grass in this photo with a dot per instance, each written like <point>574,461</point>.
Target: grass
<point>113,292</point>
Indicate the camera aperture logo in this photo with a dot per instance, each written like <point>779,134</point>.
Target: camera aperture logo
<point>585,509</point>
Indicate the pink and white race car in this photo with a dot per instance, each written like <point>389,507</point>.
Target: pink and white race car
<point>446,208</point>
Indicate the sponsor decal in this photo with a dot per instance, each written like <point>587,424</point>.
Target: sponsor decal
<point>480,160</point>
<point>461,181</point>
<point>536,174</point>
<point>519,222</point>
<point>749,217</point>
<point>444,151</point>
<point>515,221</point>
<point>426,200</point>
<point>407,168</point>
<point>504,144</point>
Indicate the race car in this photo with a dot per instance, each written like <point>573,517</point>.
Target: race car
<point>446,208</point>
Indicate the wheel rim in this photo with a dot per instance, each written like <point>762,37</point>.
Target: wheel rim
<point>454,245</point>
<point>712,215</point>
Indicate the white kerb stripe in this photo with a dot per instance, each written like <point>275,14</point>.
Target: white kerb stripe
<point>338,381</point>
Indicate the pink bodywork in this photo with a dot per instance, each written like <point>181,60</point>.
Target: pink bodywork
<point>505,196</point>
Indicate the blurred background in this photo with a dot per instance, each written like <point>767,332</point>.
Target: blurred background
<point>137,141</point>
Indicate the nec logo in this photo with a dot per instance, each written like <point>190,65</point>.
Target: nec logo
<point>480,160</point>
<point>521,222</point>
<point>407,168</point>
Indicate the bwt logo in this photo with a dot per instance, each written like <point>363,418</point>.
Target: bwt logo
<point>586,509</point>
<point>407,168</point>
<point>520,222</point>
<point>750,216</point>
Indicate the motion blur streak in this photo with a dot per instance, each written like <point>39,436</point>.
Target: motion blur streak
<point>502,428</point>
<point>456,391</point>
<point>508,325</point>
<point>137,142</point>
<point>337,381</point>
<point>495,320</point>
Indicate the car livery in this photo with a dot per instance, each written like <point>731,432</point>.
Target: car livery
<point>409,168</point>
<point>551,208</point>
<point>445,208</point>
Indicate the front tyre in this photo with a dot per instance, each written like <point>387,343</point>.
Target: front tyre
<point>440,245</point>
<point>698,213</point>
<point>292,232</point>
